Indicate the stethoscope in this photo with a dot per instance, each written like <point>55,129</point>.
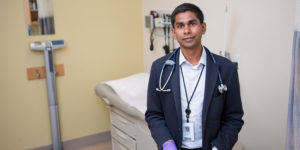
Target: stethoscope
<point>171,62</point>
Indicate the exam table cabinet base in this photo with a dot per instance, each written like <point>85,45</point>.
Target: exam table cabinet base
<point>129,133</point>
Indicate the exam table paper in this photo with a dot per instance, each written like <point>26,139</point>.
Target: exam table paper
<point>132,90</point>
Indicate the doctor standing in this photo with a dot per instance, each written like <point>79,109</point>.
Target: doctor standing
<point>193,100</point>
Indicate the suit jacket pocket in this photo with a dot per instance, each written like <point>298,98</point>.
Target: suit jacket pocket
<point>216,108</point>
<point>167,102</point>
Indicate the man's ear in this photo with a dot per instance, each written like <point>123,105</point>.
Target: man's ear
<point>203,27</point>
<point>174,33</point>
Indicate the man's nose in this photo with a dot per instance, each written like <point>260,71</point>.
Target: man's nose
<point>186,29</point>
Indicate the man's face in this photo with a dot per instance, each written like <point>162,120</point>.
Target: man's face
<point>188,30</point>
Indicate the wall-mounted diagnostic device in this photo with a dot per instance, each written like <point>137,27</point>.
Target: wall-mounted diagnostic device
<point>47,47</point>
<point>160,20</point>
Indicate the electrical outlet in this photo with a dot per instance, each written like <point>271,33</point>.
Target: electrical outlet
<point>236,59</point>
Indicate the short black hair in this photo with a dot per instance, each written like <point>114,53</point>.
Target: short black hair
<point>187,7</point>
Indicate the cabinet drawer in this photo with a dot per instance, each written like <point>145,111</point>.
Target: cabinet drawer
<point>123,139</point>
<point>117,146</point>
<point>123,123</point>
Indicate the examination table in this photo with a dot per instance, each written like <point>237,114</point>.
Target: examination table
<point>126,99</point>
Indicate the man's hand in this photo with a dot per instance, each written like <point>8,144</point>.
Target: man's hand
<point>169,145</point>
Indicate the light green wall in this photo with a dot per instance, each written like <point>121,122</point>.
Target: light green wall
<point>103,42</point>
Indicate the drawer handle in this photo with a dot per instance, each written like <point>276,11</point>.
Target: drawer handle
<point>123,120</point>
<point>122,147</point>
<point>120,134</point>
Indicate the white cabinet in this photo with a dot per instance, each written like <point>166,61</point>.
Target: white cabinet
<point>129,133</point>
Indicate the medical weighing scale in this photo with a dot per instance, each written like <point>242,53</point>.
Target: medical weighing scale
<point>48,47</point>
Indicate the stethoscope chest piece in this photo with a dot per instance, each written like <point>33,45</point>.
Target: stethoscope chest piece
<point>222,88</point>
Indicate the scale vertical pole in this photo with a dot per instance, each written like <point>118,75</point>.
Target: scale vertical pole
<point>52,96</point>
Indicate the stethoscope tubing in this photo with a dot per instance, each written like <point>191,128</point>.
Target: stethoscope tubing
<point>213,58</point>
<point>222,87</point>
<point>162,89</point>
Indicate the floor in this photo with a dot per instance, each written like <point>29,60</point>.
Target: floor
<point>107,146</point>
<point>98,146</point>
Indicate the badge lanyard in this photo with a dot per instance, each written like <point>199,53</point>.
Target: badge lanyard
<point>188,110</point>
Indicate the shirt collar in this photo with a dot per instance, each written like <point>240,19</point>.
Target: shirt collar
<point>202,60</point>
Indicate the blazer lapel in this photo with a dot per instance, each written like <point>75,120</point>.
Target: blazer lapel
<point>175,87</point>
<point>210,82</point>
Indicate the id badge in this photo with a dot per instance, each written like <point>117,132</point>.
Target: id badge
<point>188,131</point>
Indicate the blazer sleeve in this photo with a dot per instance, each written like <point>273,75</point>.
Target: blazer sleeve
<point>232,122</point>
<point>154,115</point>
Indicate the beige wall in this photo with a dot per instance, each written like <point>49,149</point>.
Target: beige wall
<point>261,32</point>
<point>103,42</point>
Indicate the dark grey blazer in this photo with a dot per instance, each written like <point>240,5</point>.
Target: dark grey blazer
<point>222,114</point>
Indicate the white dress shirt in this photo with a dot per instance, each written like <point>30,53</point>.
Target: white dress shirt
<point>191,74</point>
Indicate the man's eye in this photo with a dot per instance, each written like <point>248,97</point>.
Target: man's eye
<point>180,26</point>
<point>192,24</point>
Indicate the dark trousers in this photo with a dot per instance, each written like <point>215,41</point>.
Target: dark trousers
<point>191,149</point>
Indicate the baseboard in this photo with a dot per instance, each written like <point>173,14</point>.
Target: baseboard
<point>81,142</point>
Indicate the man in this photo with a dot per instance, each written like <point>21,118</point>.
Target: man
<point>189,110</point>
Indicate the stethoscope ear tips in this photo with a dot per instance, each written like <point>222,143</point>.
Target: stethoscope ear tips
<point>222,88</point>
